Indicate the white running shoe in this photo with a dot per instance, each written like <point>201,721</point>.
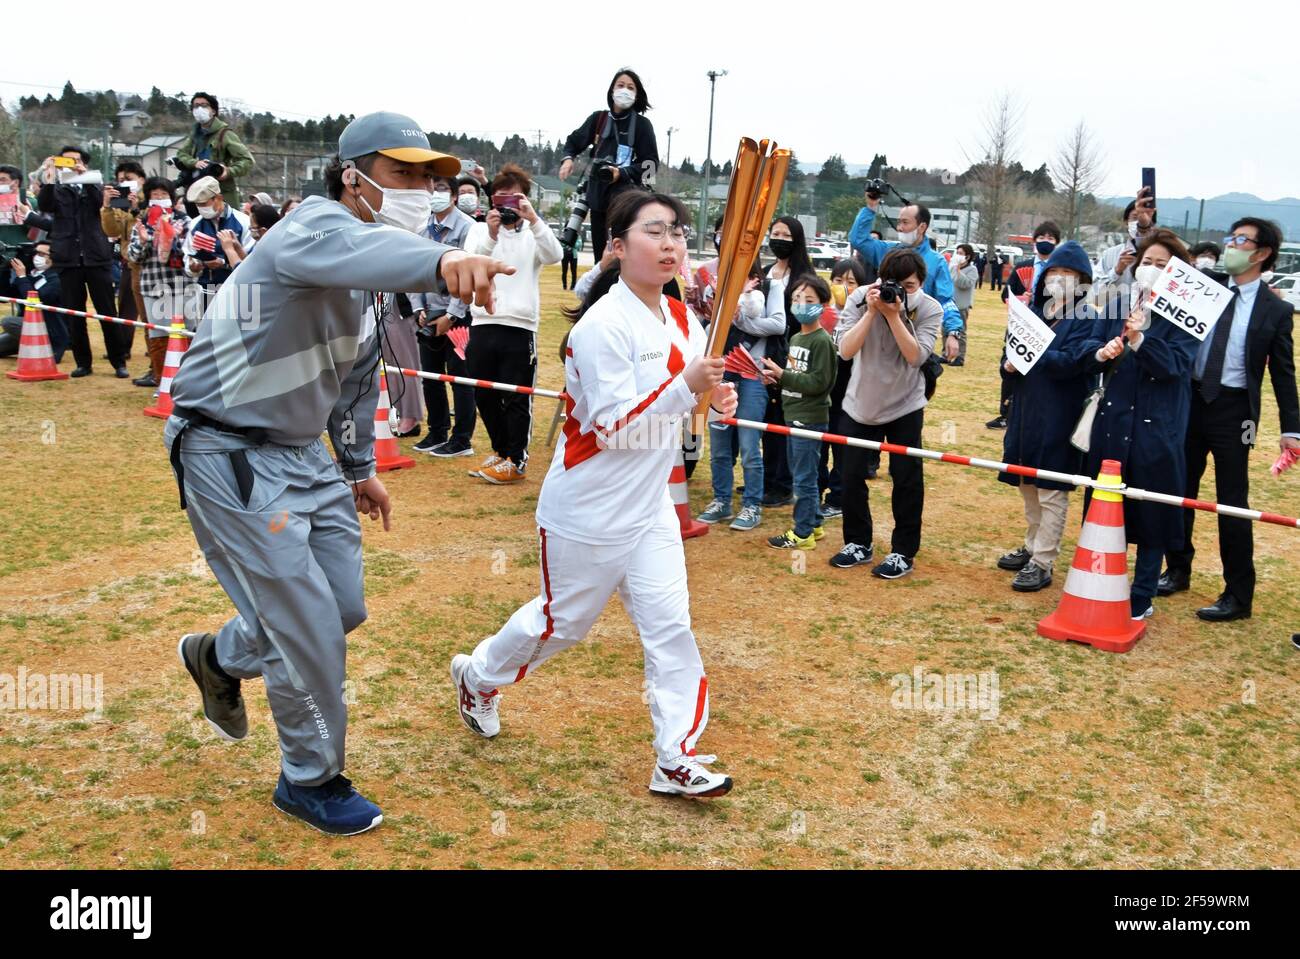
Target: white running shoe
<point>478,712</point>
<point>686,776</point>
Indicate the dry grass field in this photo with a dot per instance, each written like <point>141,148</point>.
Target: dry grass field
<point>1183,753</point>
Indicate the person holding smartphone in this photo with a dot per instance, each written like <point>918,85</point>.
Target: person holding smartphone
<point>503,344</point>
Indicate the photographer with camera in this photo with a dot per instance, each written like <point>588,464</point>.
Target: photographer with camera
<point>913,233</point>
<point>213,149</point>
<point>31,273</point>
<point>503,345</point>
<point>886,329</point>
<point>70,200</point>
<point>624,154</point>
<point>117,217</point>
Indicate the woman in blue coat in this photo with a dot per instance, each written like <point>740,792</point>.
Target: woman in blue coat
<point>1142,419</point>
<point>1045,405</point>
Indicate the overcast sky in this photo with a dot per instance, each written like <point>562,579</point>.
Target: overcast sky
<point>1229,125</point>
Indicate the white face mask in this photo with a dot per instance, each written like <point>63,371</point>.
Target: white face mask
<point>1133,228</point>
<point>1148,276</point>
<point>624,98</point>
<point>165,204</point>
<point>913,300</point>
<point>405,209</point>
<point>40,263</point>
<point>202,115</point>
<point>440,201</point>
<point>468,202</point>
<point>1205,262</point>
<point>5,188</point>
<point>908,238</point>
<point>209,212</point>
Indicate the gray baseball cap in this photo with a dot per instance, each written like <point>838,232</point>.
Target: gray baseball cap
<point>394,135</point>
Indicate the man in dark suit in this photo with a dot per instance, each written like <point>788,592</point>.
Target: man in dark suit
<point>1227,379</point>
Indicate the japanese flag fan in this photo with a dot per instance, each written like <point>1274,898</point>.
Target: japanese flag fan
<point>204,242</point>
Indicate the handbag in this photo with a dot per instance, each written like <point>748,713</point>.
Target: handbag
<point>1081,438</point>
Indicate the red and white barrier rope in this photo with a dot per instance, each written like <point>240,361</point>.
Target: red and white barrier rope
<point>45,308</point>
<point>484,384</point>
<point>1132,492</point>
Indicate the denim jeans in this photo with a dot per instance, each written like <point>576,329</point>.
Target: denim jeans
<point>805,455</point>
<point>751,398</point>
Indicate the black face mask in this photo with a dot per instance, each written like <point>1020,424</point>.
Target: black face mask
<point>781,249</point>
<point>1044,247</point>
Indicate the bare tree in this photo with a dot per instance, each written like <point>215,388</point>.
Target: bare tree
<point>991,171</point>
<point>1078,171</point>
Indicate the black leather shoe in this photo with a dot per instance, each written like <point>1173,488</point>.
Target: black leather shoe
<point>79,372</point>
<point>1173,581</point>
<point>122,373</point>
<point>1295,640</point>
<point>1227,608</point>
<point>146,380</point>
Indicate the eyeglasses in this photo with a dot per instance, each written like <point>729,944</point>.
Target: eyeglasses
<point>658,229</point>
<point>1239,239</point>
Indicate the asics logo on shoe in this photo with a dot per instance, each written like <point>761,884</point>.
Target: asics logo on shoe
<point>680,775</point>
<point>466,698</point>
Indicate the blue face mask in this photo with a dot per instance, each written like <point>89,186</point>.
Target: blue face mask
<point>807,313</point>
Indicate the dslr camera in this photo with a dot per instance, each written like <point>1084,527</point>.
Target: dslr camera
<point>573,227</point>
<point>876,188</point>
<point>892,292</point>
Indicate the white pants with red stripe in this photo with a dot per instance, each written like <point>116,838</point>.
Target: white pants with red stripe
<point>577,581</point>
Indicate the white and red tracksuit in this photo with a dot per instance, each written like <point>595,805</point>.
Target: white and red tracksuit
<point>606,520</point>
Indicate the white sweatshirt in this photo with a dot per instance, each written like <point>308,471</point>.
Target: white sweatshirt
<point>608,480</point>
<point>528,249</point>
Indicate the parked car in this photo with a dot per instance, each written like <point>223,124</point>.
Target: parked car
<point>1287,287</point>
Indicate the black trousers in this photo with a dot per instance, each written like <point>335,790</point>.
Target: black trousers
<point>504,354</point>
<point>437,355</point>
<point>126,308</point>
<point>599,234</point>
<point>908,498</point>
<point>830,480</point>
<point>1008,388</point>
<point>1219,429</point>
<point>568,270</point>
<point>76,282</point>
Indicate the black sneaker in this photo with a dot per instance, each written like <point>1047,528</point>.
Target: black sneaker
<point>223,706</point>
<point>957,362</point>
<point>1295,640</point>
<point>146,380</point>
<point>851,554</point>
<point>427,444</point>
<point>1015,560</point>
<point>122,373</point>
<point>997,423</point>
<point>831,511</point>
<point>453,447</point>
<point>894,566</point>
<point>1031,579</point>
<point>778,499</point>
<point>79,372</point>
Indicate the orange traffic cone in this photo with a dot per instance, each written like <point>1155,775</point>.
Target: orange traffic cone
<point>387,455</point>
<point>1095,606</point>
<point>35,358</point>
<point>177,344</point>
<point>677,489</point>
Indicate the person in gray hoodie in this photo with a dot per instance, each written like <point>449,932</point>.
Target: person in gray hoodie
<point>289,348</point>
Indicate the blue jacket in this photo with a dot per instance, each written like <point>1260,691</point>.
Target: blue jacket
<point>938,281</point>
<point>1046,403</point>
<point>1142,421</point>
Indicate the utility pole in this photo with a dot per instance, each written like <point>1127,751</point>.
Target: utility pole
<point>708,161</point>
<point>668,161</point>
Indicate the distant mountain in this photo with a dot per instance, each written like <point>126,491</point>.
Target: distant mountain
<point>1221,211</point>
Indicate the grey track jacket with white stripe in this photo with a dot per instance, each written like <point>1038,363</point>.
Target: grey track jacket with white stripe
<point>287,343</point>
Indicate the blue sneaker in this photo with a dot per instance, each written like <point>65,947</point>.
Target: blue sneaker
<point>332,807</point>
<point>749,518</point>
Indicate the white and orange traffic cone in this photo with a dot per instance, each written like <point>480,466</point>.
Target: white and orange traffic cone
<point>177,344</point>
<point>35,358</point>
<point>679,491</point>
<point>387,454</point>
<point>1094,607</point>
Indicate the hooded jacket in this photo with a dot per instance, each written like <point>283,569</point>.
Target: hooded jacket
<point>1046,401</point>
<point>223,146</point>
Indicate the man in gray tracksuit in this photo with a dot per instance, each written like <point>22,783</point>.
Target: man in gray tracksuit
<point>289,348</point>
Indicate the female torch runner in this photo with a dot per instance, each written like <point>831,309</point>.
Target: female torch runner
<point>633,370</point>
